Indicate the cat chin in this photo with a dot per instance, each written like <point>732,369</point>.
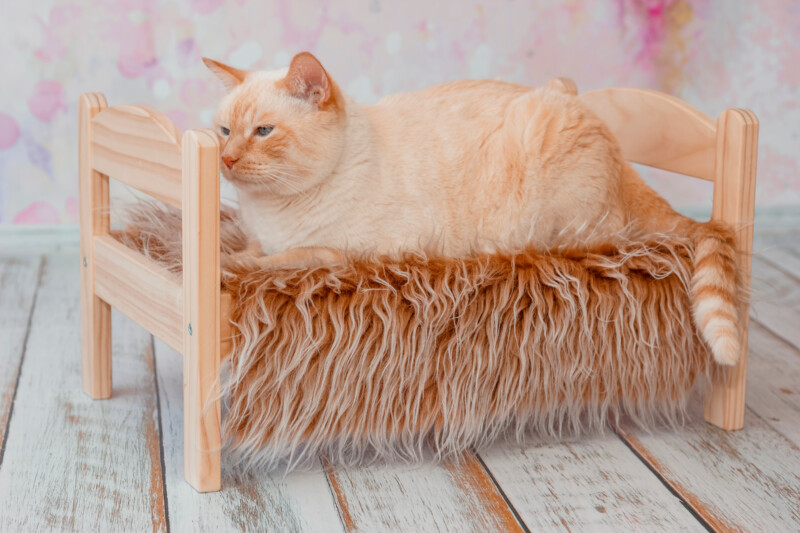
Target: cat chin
<point>258,186</point>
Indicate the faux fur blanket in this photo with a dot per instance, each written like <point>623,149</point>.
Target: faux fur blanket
<point>388,356</point>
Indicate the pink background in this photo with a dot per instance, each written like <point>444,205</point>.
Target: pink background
<point>712,53</point>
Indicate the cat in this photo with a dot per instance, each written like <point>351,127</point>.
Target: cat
<point>458,168</point>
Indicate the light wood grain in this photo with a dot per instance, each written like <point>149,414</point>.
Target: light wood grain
<point>148,294</point>
<point>71,463</point>
<point>201,310</point>
<point>745,480</point>
<point>594,484</point>
<point>140,288</point>
<point>658,130</point>
<point>141,148</point>
<point>251,499</point>
<point>426,497</point>
<point>94,220</point>
<point>19,280</point>
<point>734,204</point>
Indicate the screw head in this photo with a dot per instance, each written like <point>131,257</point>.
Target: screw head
<point>190,330</point>
<point>84,262</point>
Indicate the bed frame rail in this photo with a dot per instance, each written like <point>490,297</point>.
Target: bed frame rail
<point>658,130</point>
<point>661,131</point>
<point>135,144</point>
<point>140,288</point>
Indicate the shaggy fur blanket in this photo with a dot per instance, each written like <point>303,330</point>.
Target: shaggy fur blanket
<point>385,356</point>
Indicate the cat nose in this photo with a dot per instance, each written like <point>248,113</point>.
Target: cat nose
<point>229,161</point>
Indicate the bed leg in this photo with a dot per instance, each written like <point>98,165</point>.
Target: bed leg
<point>201,311</point>
<point>94,220</point>
<point>734,199</point>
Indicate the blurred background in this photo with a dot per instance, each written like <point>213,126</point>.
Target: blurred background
<point>712,53</point>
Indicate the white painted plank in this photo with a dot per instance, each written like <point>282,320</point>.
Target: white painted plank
<point>250,500</point>
<point>593,484</point>
<point>783,257</point>
<point>72,463</point>
<point>773,381</point>
<point>775,301</point>
<point>19,279</point>
<point>736,480</point>
<point>421,498</point>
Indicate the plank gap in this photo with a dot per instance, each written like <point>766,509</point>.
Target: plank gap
<point>160,436</point>
<point>765,258</point>
<point>339,499</point>
<point>7,428</point>
<point>673,489</point>
<point>502,493</point>
<point>773,302</point>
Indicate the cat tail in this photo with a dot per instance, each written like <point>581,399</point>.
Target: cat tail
<point>714,289</point>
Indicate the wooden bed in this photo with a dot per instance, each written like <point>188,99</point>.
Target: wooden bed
<point>145,150</point>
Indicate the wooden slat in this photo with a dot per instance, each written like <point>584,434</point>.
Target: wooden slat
<point>251,499</point>
<point>94,220</point>
<point>140,288</point>
<point>147,293</point>
<point>428,497</point>
<point>734,204</point>
<point>201,310</point>
<point>72,463</point>
<point>658,130</point>
<point>594,484</point>
<point>141,148</point>
<point>19,280</point>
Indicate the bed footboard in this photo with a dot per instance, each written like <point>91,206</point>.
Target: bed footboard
<point>145,150</point>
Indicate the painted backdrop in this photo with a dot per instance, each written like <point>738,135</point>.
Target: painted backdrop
<point>713,53</point>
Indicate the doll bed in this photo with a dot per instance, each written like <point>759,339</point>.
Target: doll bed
<point>191,313</point>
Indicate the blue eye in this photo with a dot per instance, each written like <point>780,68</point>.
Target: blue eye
<point>225,131</point>
<point>263,131</point>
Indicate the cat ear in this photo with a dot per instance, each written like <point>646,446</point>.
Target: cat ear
<point>307,79</point>
<point>229,76</point>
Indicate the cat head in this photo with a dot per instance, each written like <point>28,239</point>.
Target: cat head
<point>281,132</point>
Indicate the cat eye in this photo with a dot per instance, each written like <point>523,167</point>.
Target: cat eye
<point>225,131</point>
<point>263,131</point>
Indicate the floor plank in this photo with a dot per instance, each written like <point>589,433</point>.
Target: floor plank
<point>783,258</point>
<point>19,280</point>
<point>425,497</point>
<point>250,500</point>
<point>736,480</point>
<point>773,381</point>
<point>748,479</point>
<point>595,484</point>
<point>775,301</point>
<point>72,463</point>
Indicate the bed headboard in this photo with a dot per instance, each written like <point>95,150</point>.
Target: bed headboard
<point>661,131</point>
<point>146,150</point>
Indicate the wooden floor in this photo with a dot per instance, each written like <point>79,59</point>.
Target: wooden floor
<point>70,463</point>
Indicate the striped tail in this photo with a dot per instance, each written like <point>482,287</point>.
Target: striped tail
<point>714,291</point>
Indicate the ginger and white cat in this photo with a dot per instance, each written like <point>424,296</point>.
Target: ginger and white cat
<point>460,167</point>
